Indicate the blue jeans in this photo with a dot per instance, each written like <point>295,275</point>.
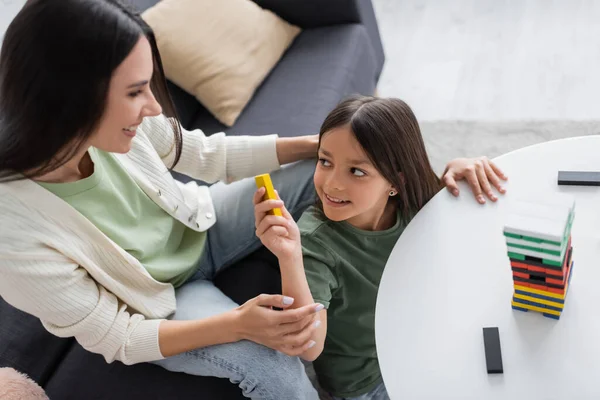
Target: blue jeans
<point>261,372</point>
<point>379,393</point>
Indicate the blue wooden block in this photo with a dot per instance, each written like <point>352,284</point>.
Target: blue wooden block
<point>522,301</point>
<point>557,317</point>
<point>520,309</point>
<point>553,308</point>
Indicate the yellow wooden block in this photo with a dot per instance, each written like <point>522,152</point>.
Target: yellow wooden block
<point>542,292</point>
<point>540,301</point>
<point>534,308</point>
<point>265,181</point>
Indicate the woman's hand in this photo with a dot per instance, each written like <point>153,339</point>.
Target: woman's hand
<point>288,331</point>
<point>279,234</point>
<point>479,173</point>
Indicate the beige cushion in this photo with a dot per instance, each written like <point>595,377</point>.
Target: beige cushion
<point>219,50</point>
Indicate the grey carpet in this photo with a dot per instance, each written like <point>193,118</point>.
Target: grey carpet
<point>446,140</point>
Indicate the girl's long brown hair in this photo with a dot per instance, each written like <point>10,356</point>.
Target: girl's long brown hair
<point>388,131</point>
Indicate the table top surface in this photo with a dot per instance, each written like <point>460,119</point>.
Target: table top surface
<point>449,276</point>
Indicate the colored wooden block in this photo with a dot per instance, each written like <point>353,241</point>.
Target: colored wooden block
<point>520,275</point>
<point>547,315</point>
<point>521,301</point>
<point>514,307</point>
<point>557,291</point>
<point>553,272</point>
<point>265,181</point>
<point>556,281</point>
<point>538,287</point>
<point>535,269</point>
<point>493,352</point>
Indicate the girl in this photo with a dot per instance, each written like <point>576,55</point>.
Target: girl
<point>372,177</point>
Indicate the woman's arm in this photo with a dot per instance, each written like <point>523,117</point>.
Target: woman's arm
<point>255,320</point>
<point>176,337</point>
<point>223,158</point>
<point>72,304</point>
<point>297,148</point>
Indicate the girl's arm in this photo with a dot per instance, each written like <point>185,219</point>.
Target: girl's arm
<point>295,285</point>
<point>282,237</point>
<point>480,173</point>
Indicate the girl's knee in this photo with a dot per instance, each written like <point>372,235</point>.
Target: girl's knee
<point>276,375</point>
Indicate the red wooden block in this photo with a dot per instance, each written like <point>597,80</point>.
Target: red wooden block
<point>554,272</point>
<point>557,291</point>
<point>555,281</point>
<point>536,269</point>
<point>521,275</point>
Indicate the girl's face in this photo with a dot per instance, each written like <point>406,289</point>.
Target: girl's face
<point>349,186</point>
<point>129,101</point>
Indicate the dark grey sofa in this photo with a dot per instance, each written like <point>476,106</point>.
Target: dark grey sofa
<point>338,53</point>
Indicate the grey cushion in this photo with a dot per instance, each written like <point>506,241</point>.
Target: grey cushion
<point>316,13</point>
<point>26,346</point>
<point>322,66</point>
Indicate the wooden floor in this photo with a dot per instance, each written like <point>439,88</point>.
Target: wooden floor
<point>493,59</point>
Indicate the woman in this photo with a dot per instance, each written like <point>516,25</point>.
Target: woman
<point>101,243</point>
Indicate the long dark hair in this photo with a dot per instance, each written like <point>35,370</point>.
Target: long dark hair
<point>388,131</point>
<point>56,63</point>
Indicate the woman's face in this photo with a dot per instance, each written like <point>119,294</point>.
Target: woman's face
<point>129,101</point>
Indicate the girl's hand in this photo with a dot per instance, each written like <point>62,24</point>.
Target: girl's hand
<point>479,173</point>
<point>288,331</point>
<point>279,234</point>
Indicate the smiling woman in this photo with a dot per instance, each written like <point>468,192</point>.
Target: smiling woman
<point>99,241</point>
<point>51,115</point>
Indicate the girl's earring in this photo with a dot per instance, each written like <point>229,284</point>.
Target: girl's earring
<point>392,193</point>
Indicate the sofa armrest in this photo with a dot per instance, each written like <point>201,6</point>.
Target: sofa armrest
<point>316,13</point>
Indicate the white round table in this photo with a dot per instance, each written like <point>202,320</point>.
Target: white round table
<point>449,276</point>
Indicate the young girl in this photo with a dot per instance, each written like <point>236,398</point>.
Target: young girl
<point>372,177</point>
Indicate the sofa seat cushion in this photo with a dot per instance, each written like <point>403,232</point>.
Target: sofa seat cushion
<point>84,375</point>
<point>26,346</point>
